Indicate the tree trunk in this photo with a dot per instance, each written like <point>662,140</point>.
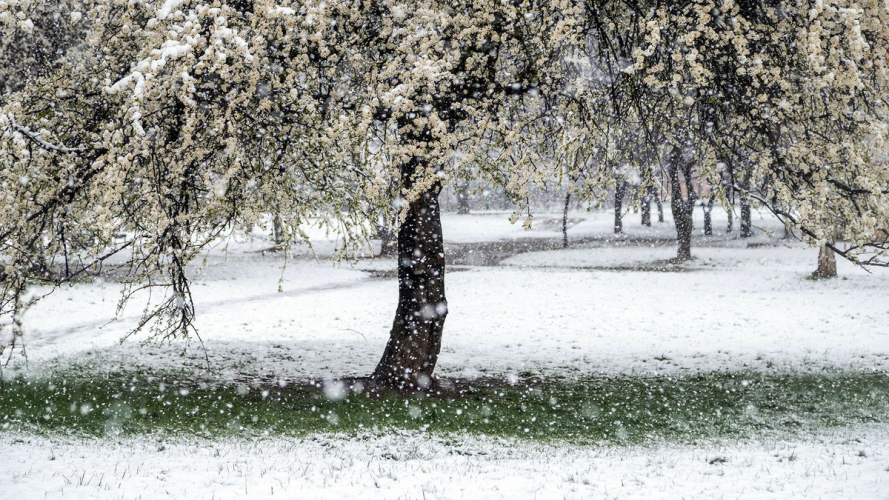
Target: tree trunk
<point>415,339</point>
<point>278,230</point>
<point>463,198</point>
<point>619,190</point>
<point>746,225</point>
<point>660,206</point>
<point>682,209</point>
<point>682,218</point>
<point>827,263</point>
<point>646,207</point>
<point>730,215</point>
<point>708,221</point>
<point>565,221</point>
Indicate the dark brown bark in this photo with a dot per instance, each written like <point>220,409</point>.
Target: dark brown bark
<point>730,215</point>
<point>708,220</point>
<point>463,198</point>
<point>746,225</point>
<point>646,207</point>
<point>681,208</point>
<point>278,230</point>
<point>827,263</point>
<point>660,206</point>
<point>415,339</point>
<point>565,221</point>
<point>619,190</point>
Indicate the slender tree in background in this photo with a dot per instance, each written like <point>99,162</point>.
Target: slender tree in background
<point>708,219</point>
<point>746,230</point>
<point>620,191</point>
<point>657,201</point>
<point>462,190</point>
<point>646,205</point>
<point>565,220</point>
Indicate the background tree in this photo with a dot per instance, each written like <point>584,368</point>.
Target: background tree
<point>802,84</point>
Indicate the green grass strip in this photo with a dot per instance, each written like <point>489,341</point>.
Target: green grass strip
<point>624,408</point>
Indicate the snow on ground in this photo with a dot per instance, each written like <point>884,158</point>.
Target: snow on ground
<point>848,464</point>
<point>604,305</point>
<point>559,312</point>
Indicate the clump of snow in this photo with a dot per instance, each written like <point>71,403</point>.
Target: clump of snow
<point>334,390</point>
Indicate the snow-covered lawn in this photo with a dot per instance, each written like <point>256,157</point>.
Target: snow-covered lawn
<point>605,305</point>
<point>851,464</point>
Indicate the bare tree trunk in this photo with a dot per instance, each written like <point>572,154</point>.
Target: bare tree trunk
<point>619,190</point>
<point>730,215</point>
<point>708,220</point>
<point>827,263</point>
<point>565,221</point>
<point>463,198</point>
<point>385,220</point>
<point>646,207</point>
<point>278,230</point>
<point>746,225</point>
<point>660,206</point>
<point>682,209</point>
<point>415,339</point>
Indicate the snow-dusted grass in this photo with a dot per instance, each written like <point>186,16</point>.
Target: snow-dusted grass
<point>601,317</point>
<point>849,464</point>
<point>625,409</point>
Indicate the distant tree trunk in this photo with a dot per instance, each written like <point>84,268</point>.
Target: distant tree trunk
<point>708,221</point>
<point>565,221</point>
<point>827,263</point>
<point>646,207</point>
<point>415,339</point>
<point>463,198</point>
<point>660,206</point>
<point>619,190</point>
<point>278,230</point>
<point>385,220</point>
<point>681,208</point>
<point>746,225</point>
<point>730,215</point>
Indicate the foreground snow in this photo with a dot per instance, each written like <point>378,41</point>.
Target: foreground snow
<point>850,464</point>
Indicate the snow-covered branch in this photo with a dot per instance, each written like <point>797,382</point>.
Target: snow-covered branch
<point>35,137</point>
